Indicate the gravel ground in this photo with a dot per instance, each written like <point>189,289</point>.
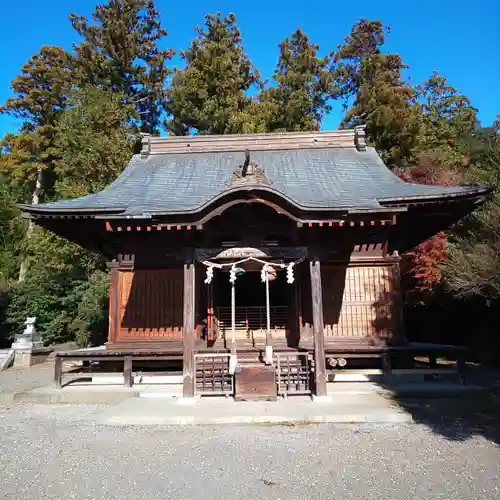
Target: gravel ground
<point>58,452</point>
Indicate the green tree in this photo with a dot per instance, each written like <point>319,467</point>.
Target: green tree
<point>472,266</point>
<point>209,95</point>
<point>41,92</point>
<point>11,229</point>
<point>120,52</point>
<point>60,274</point>
<point>449,121</point>
<point>381,99</point>
<point>303,86</point>
<point>95,139</point>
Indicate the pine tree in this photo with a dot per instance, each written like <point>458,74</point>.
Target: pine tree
<point>120,51</point>
<point>209,95</point>
<point>303,86</point>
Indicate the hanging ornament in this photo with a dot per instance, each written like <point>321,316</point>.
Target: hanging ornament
<point>263,273</point>
<point>289,273</point>
<point>232,274</point>
<point>210,275</point>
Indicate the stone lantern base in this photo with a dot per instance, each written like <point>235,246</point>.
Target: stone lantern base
<point>24,357</point>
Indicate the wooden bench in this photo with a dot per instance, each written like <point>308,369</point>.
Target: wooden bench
<point>127,357</point>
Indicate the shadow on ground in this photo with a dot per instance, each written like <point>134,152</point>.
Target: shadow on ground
<point>461,416</point>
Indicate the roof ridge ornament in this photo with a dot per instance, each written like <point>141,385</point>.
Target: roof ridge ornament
<point>146,144</point>
<point>248,173</point>
<point>360,137</point>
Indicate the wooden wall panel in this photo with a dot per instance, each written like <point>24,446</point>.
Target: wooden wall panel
<point>358,301</point>
<point>151,305</point>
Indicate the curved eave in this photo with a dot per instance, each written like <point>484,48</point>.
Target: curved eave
<point>476,193</point>
<point>28,211</point>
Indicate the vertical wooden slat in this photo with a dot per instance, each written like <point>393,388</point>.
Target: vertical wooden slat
<point>317,310</point>
<point>188,374</point>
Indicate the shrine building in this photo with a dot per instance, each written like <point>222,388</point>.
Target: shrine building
<point>258,262</point>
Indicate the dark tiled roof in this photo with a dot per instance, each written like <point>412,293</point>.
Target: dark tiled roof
<point>312,179</point>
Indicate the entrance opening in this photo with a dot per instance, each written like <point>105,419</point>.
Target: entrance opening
<point>251,311</point>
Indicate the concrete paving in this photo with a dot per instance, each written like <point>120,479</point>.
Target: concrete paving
<point>343,407</point>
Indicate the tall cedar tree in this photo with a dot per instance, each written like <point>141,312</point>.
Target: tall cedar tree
<point>209,95</point>
<point>304,85</point>
<point>41,92</point>
<point>120,51</point>
<point>382,101</point>
<point>40,95</point>
<point>449,121</point>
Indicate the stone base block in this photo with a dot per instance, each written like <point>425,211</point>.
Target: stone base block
<point>29,357</point>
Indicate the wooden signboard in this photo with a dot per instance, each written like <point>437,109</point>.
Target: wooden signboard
<point>255,383</point>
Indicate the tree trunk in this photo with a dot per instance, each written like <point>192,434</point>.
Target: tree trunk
<point>35,200</point>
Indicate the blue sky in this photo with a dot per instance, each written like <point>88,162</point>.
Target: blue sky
<point>460,39</point>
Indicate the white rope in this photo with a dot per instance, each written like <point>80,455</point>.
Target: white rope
<point>233,360</point>
<point>242,261</point>
<point>233,314</point>
<point>264,276</point>
<point>269,347</point>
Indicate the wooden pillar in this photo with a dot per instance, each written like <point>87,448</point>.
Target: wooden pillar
<point>319,334</point>
<point>114,302</point>
<point>188,375</point>
<point>398,324</point>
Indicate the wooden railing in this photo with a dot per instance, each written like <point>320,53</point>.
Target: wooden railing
<point>212,375</point>
<point>252,320</point>
<point>294,373</point>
